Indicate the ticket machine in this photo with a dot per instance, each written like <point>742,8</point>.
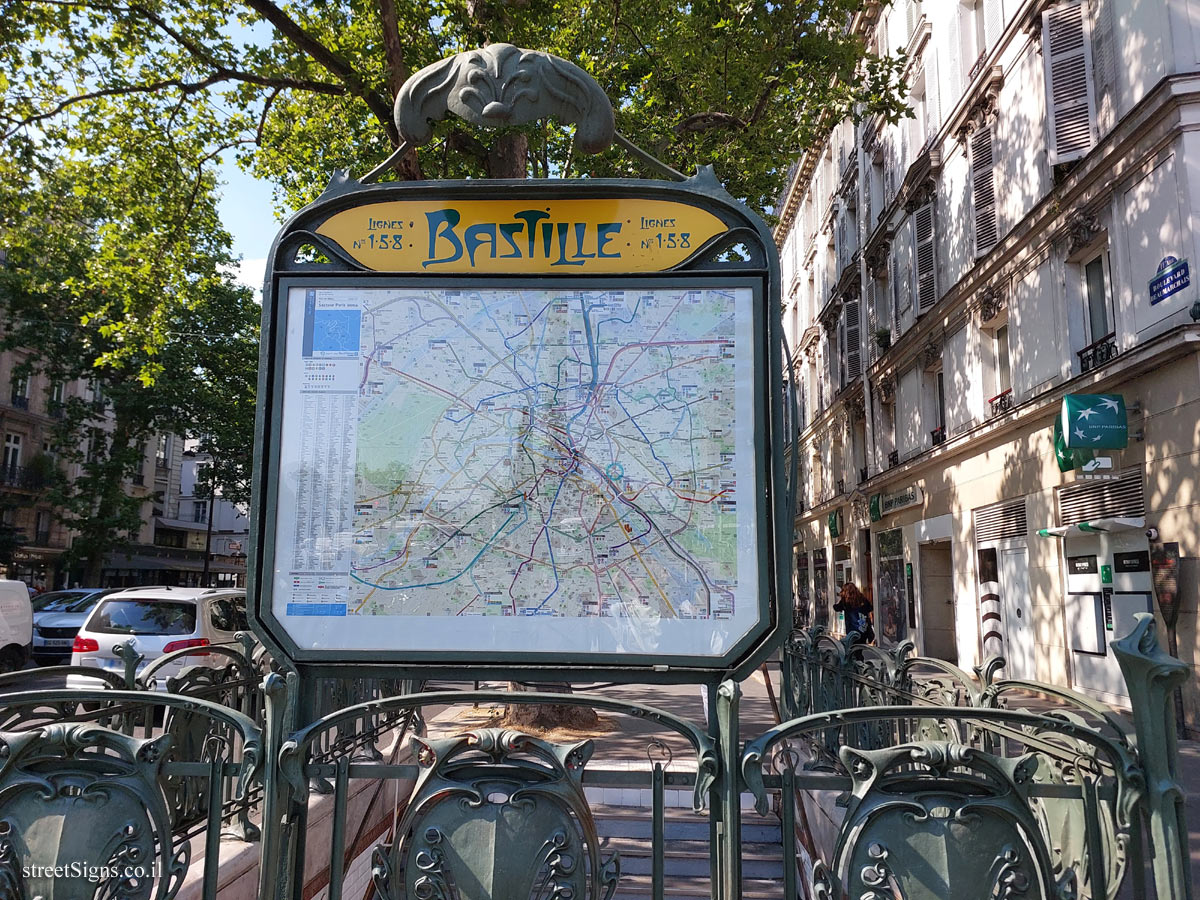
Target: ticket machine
<point>1108,582</point>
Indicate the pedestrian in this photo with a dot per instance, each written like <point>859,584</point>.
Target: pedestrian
<point>858,612</point>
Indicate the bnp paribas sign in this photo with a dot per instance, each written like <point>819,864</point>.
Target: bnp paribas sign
<point>1094,422</point>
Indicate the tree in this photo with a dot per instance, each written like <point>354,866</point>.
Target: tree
<point>78,292</point>
<point>303,90</point>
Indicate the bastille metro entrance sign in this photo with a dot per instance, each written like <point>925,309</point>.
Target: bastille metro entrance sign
<point>523,423</point>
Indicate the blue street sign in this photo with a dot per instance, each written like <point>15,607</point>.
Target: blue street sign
<point>1172,277</point>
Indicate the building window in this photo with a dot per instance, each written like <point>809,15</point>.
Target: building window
<point>891,622</point>
<point>1095,287</point>
<point>20,392</point>
<point>200,511</point>
<point>162,454</point>
<point>170,537</point>
<point>42,537</point>
<point>12,451</point>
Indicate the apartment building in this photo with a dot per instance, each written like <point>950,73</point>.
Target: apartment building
<point>29,407</point>
<point>171,543</point>
<point>952,282</point>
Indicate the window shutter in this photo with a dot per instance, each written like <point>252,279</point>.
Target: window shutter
<point>956,70</point>
<point>895,297</point>
<point>933,94</point>
<point>1067,52</point>
<point>993,21</point>
<point>983,181</point>
<point>926,258</point>
<point>853,340</point>
<point>914,13</point>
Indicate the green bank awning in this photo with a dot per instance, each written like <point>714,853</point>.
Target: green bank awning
<point>1095,526</point>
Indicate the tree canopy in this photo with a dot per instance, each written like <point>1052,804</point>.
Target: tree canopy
<point>300,90</point>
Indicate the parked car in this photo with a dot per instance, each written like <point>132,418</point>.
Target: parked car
<point>157,621</point>
<point>16,625</point>
<point>57,616</point>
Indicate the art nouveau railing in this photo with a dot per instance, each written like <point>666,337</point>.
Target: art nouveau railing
<point>1066,794</point>
<point>943,781</point>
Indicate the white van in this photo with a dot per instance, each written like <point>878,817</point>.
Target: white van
<point>16,625</point>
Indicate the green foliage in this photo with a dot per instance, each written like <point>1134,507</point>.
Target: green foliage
<point>301,90</point>
<point>109,283</point>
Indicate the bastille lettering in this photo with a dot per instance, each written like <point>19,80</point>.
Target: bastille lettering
<point>531,234</point>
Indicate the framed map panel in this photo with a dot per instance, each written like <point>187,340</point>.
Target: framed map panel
<point>505,469</point>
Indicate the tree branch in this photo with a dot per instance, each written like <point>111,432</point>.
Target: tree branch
<point>389,25</point>
<point>706,121</point>
<point>334,62</point>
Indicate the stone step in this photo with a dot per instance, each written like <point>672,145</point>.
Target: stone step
<point>756,863</point>
<point>635,887</point>
<point>680,824</point>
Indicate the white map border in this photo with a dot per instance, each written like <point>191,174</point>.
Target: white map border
<point>494,637</point>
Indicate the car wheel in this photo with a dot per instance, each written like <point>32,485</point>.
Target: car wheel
<point>11,659</point>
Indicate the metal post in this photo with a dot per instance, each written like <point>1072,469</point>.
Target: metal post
<point>1151,677</point>
<point>729,694</point>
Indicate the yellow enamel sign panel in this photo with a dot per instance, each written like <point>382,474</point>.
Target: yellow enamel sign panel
<point>520,236</point>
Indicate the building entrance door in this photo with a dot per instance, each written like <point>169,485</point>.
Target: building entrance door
<point>937,602</point>
<point>1017,623</point>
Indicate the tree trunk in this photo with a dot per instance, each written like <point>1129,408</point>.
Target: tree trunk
<point>547,716</point>
<point>509,157</point>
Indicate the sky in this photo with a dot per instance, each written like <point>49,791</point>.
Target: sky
<point>247,211</point>
<point>246,206</point>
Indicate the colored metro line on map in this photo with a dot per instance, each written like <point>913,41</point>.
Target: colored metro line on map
<point>559,453</point>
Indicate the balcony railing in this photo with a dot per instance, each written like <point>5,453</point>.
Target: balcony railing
<point>19,402</point>
<point>893,458</point>
<point>841,486</point>
<point>138,478</point>
<point>21,477</point>
<point>863,474</point>
<point>1098,353</point>
<point>938,435</point>
<point>1002,402</point>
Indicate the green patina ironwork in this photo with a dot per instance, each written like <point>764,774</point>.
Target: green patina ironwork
<point>489,797</point>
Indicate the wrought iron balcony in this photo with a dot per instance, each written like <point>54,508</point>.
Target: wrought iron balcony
<point>19,402</point>
<point>21,477</point>
<point>894,458</point>
<point>863,474</point>
<point>938,435</point>
<point>1002,402</point>
<point>1098,353</point>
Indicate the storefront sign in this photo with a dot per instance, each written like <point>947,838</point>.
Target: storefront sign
<point>1172,277</point>
<point>579,236</point>
<point>1094,422</point>
<point>1068,459</point>
<point>835,523</point>
<point>885,504</point>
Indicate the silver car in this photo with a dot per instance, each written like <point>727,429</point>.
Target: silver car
<point>157,621</point>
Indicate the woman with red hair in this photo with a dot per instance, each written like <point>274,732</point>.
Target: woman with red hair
<point>858,612</point>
